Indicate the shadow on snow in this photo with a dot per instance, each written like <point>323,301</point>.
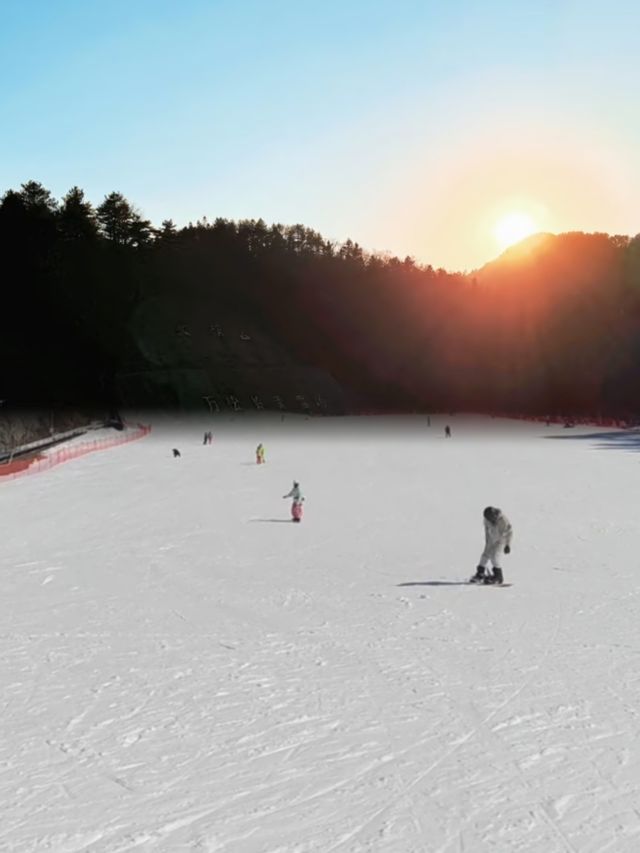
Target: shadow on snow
<point>272,520</point>
<point>436,583</point>
<point>628,439</point>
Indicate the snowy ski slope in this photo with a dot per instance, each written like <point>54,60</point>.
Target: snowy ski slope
<point>183,669</point>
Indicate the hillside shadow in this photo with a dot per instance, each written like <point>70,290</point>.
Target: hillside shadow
<point>435,583</point>
<point>628,439</point>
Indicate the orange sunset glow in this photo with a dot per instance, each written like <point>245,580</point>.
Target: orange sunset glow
<point>512,228</point>
<point>501,180</point>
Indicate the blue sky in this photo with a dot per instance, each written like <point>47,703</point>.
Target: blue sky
<point>356,118</point>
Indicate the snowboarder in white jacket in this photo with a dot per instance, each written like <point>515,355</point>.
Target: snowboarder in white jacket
<point>498,533</point>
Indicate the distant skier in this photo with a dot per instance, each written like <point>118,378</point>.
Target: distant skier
<point>298,500</point>
<point>208,438</point>
<point>428,421</point>
<point>176,453</point>
<point>447,431</point>
<point>260,460</point>
<point>498,533</point>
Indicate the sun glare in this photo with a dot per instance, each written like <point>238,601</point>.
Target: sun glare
<point>513,228</point>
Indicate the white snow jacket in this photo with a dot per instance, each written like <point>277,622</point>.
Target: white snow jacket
<point>498,535</point>
<point>295,493</point>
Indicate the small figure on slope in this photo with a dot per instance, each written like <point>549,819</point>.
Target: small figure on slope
<point>498,534</point>
<point>260,454</point>
<point>447,431</point>
<point>298,500</point>
<point>176,453</point>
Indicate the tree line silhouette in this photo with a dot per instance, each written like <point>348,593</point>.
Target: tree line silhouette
<point>552,326</point>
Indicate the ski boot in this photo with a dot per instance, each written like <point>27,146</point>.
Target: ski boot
<point>479,576</point>
<point>496,577</point>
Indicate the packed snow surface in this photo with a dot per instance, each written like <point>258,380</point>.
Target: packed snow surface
<point>184,669</point>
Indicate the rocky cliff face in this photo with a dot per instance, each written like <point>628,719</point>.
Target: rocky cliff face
<point>217,360</point>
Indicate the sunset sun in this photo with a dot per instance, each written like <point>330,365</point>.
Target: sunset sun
<point>512,228</point>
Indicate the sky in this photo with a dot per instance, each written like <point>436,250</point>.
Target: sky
<point>414,128</point>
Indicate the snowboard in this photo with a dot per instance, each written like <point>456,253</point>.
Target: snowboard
<point>490,584</point>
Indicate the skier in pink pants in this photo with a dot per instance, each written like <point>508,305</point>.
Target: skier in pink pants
<point>298,500</point>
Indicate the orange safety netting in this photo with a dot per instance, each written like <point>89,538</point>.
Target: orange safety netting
<point>42,462</point>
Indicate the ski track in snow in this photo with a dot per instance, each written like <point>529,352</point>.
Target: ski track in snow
<point>181,672</point>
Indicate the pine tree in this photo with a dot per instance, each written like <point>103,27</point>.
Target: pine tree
<point>77,218</point>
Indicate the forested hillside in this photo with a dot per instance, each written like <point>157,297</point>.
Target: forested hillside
<point>104,310</point>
